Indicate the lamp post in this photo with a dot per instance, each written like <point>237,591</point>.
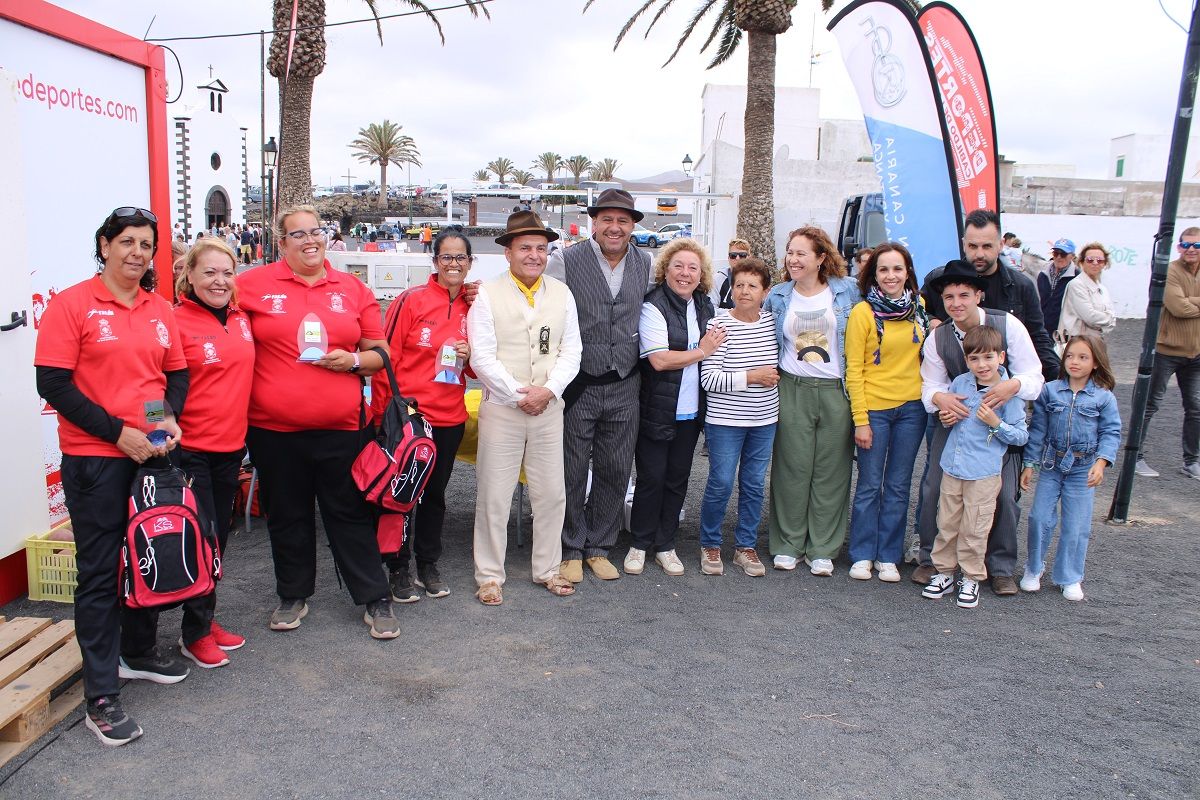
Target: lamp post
<point>270,152</point>
<point>408,190</point>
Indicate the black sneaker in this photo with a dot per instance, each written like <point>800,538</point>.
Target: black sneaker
<point>153,666</point>
<point>402,587</point>
<point>110,723</point>
<point>382,619</point>
<point>429,580</point>
<point>287,617</point>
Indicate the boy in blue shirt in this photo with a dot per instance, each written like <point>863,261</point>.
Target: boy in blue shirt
<point>971,465</point>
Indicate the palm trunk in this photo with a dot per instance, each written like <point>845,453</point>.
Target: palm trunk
<point>295,170</point>
<point>383,198</point>
<point>756,209</point>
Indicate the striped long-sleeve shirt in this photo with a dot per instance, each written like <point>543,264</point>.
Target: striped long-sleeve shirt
<point>731,400</point>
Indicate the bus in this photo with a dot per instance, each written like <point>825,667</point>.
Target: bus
<point>668,206</point>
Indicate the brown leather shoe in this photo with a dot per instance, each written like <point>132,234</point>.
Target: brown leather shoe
<point>923,575</point>
<point>603,568</point>
<point>572,570</point>
<point>1003,585</point>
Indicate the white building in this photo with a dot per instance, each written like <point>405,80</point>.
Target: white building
<point>210,186</point>
<point>1143,157</point>
<point>817,163</point>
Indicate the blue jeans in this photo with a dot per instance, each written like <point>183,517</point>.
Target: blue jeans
<point>884,478</point>
<point>1072,489</point>
<point>727,447</point>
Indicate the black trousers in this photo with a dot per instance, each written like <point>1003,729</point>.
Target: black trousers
<point>295,470</point>
<point>215,482</point>
<point>97,495</point>
<point>425,523</point>
<point>663,469</point>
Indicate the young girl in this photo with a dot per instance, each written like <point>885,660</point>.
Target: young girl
<point>1073,438</point>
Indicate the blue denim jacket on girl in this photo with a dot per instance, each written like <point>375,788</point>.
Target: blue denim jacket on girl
<point>973,451</point>
<point>1073,428</point>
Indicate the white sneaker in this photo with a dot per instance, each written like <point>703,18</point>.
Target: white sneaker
<point>888,573</point>
<point>1031,581</point>
<point>635,561</point>
<point>820,566</point>
<point>913,554</point>
<point>1073,591</point>
<point>861,570</point>
<point>785,562</point>
<point>1191,470</point>
<point>670,563</point>
<point>1144,469</point>
<point>968,593</point>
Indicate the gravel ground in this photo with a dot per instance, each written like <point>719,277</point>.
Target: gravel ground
<point>686,687</point>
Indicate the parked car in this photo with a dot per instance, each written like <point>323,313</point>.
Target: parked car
<point>644,237</point>
<point>675,229</point>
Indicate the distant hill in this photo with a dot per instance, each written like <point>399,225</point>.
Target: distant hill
<point>673,180</point>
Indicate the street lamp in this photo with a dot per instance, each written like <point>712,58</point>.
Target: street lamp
<point>270,152</point>
<point>687,165</point>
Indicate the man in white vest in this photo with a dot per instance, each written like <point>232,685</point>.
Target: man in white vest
<point>525,349</point>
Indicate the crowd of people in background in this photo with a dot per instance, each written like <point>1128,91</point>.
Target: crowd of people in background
<point>597,362</point>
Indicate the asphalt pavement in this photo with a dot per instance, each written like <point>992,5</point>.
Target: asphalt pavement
<point>653,687</point>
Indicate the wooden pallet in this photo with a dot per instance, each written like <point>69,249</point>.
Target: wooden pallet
<point>37,656</point>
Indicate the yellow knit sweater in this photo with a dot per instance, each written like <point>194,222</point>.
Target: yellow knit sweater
<point>896,379</point>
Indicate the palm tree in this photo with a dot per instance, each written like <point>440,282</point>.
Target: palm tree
<point>502,167</point>
<point>550,163</point>
<point>296,79</point>
<point>481,175</point>
<point>604,170</point>
<point>522,176</point>
<point>577,165</point>
<point>761,21</point>
<point>383,144</point>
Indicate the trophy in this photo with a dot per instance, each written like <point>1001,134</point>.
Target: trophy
<point>450,364</point>
<point>155,414</point>
<point>312,340</point>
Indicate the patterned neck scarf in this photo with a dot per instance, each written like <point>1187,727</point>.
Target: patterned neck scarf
<point>904,308</point>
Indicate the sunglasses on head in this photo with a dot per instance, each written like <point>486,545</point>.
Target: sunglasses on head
<point>1188,245</point>
<point>124,212</point>
<point>736,256</point>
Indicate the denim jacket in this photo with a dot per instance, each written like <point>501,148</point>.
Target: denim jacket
<point>1073,428</point>
<point>973,451</point>
<point>845,295</point>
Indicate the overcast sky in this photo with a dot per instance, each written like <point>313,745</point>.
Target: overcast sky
<point>1066,77</point>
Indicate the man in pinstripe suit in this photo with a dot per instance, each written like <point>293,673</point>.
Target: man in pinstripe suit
<point>608,277</point>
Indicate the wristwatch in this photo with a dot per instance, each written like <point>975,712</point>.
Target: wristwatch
<point>357,363</point>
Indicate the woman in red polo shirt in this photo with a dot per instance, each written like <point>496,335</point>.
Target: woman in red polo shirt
<point>108,356</point>
<point>219,349</point>
<point>314,328</point>
<point>427,332</point>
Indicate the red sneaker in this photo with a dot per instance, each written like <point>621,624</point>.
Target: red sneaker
<point>224,639</point>
<point>204,652</point>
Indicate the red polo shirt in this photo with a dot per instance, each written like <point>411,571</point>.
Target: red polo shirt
<point>119,355</point>
<point>422,319</point>
<point>288,395</point>
<point>220,360</point>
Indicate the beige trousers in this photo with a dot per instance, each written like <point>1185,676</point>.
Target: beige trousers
<point>965,514</point>
<point>508,436</point>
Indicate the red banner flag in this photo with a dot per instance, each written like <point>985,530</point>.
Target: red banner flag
<point>966,104</point>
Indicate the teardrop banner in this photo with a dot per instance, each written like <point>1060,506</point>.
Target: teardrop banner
<point>966,104</point>
<point>892,74</point>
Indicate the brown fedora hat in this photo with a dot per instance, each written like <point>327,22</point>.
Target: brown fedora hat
<point>521,223</point>
<point>616,198</point>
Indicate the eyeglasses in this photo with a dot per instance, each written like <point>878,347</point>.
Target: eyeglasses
<point>1098,260</point>
<point>300,236</point>
<point>447,259</point>
<point>125,212</point>
<point>1188,245</point>
<point>736,256</point>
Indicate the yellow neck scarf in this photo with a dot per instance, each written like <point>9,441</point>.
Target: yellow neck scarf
<point>527,290</point>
